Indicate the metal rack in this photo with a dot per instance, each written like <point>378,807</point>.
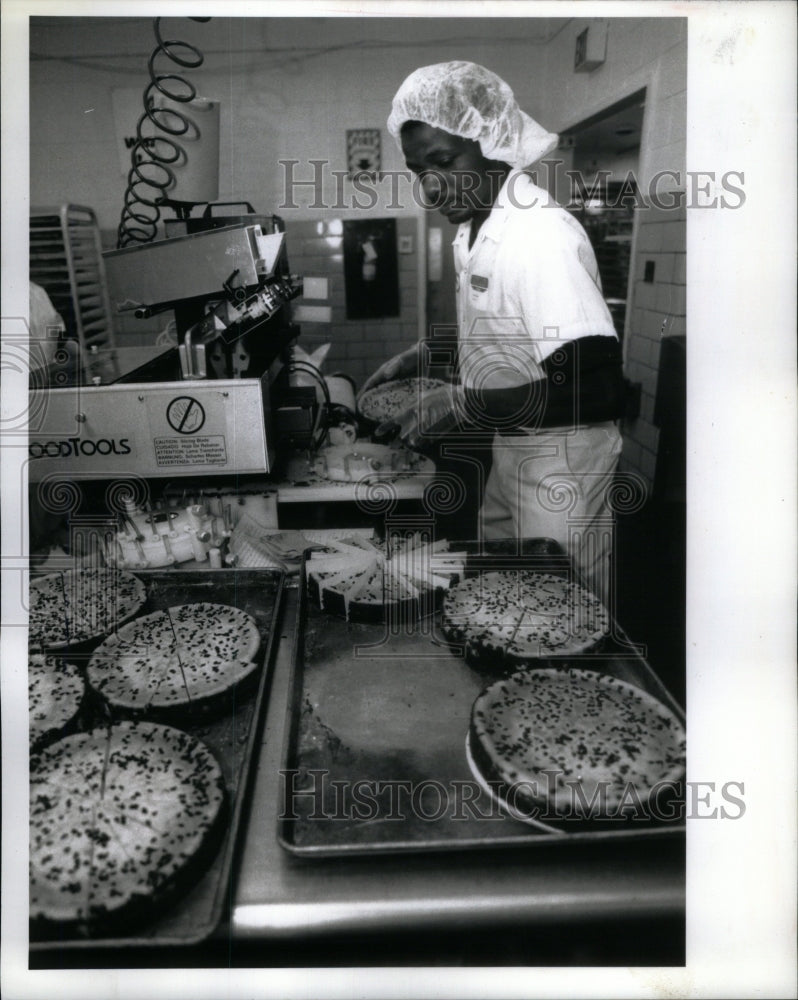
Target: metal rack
<point>66,260</point>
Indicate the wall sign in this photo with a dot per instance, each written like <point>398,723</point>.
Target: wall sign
<point>363,153</point>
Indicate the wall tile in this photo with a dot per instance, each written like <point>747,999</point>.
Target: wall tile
<point>386,331</point>
<point>372,349</point>
<point>632,453</point>
<point>674,236</point>
<point>675,326</point>
<point>650,236</point>
<point>663,267</point>
<point>645,374</point>
<point>647,407</point>
<point>323,264</point>
<point>648,463</point>
<point>640,350</point>
<point>297,231</point>
<point>671,299</point>
<point>664,298</point>
<point>636,322</point>
<point>646,434</point>
<point>652,325</point>
<point>644,295</point>
<point>322,246</point>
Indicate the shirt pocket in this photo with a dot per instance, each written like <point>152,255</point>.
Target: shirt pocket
<point>478,286</point>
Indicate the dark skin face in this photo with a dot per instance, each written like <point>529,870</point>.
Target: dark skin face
<point>455,177</point>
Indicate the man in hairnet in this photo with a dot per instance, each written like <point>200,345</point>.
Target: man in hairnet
<point>539,359</point>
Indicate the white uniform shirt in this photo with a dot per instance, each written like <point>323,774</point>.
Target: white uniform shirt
<point>528,284</point>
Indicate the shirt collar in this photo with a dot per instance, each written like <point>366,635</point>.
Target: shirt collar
<point>492,226</point>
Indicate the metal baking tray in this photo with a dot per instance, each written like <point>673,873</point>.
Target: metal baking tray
<point>232,737</point>
<point>373,703</point>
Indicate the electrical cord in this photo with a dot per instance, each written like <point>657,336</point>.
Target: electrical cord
<point>314,372</point>
<point>310,369</point>
<point>151,155</point>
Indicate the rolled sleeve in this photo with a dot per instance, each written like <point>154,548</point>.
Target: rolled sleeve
<point>552,280</point>
<point>498,352</point>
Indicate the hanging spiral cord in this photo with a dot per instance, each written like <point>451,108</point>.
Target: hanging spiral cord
<point>150,175</point>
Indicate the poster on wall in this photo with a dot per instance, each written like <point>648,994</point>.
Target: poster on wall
<point>363,154</point>
<point>371,272</point>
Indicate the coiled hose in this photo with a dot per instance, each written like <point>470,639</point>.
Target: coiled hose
<point>151,155</point>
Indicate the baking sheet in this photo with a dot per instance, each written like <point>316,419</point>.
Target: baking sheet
<point>374,759</point>
<point>231,737</point>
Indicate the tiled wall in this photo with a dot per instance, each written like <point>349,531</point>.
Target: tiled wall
<point>648,53</point>
<point>358,346</point>
<point>658,310</point>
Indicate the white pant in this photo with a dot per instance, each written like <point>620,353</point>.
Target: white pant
<point>554,484</point>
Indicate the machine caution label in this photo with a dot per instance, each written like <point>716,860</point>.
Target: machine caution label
<point>185,415</point>
<point>208,449</point>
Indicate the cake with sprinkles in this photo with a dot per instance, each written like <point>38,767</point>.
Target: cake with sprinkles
<point>386,401</point>
<point>55,697</point>
<point>506,618</point>
<point>556,740</point>
<point>121,818</point>
<point>74,606</point>
<point>183,657</point>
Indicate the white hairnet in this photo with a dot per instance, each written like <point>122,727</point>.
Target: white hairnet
<point>470,101</point>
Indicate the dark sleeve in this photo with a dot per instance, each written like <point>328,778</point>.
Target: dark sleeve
<point>583,384</point>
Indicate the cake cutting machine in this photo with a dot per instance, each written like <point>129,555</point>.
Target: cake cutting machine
<point>205,407</point>
<point>212,408</point>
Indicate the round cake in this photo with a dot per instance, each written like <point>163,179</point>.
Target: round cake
<point>179,657</point>
<point>75,606</point>
<point>574,744</point>
<point>120,819</point>
<point>55,696</point>
<point>363,582</point>
<point>506,618</point>
<point>386,401</point>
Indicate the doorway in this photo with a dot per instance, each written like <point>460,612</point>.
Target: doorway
<point>597,183</point>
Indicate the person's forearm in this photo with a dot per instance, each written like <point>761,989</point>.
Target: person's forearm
<point>583,384</point>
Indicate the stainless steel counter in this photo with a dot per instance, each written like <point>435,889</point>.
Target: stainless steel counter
<point>280,896</point>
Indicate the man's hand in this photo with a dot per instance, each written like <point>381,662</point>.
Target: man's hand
<point>404,365</point>
<point>436,414</point>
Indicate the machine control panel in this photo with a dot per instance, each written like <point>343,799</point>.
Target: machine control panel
<point>161,429</point>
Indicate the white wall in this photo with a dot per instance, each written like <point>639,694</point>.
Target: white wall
<point>289,89</point>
